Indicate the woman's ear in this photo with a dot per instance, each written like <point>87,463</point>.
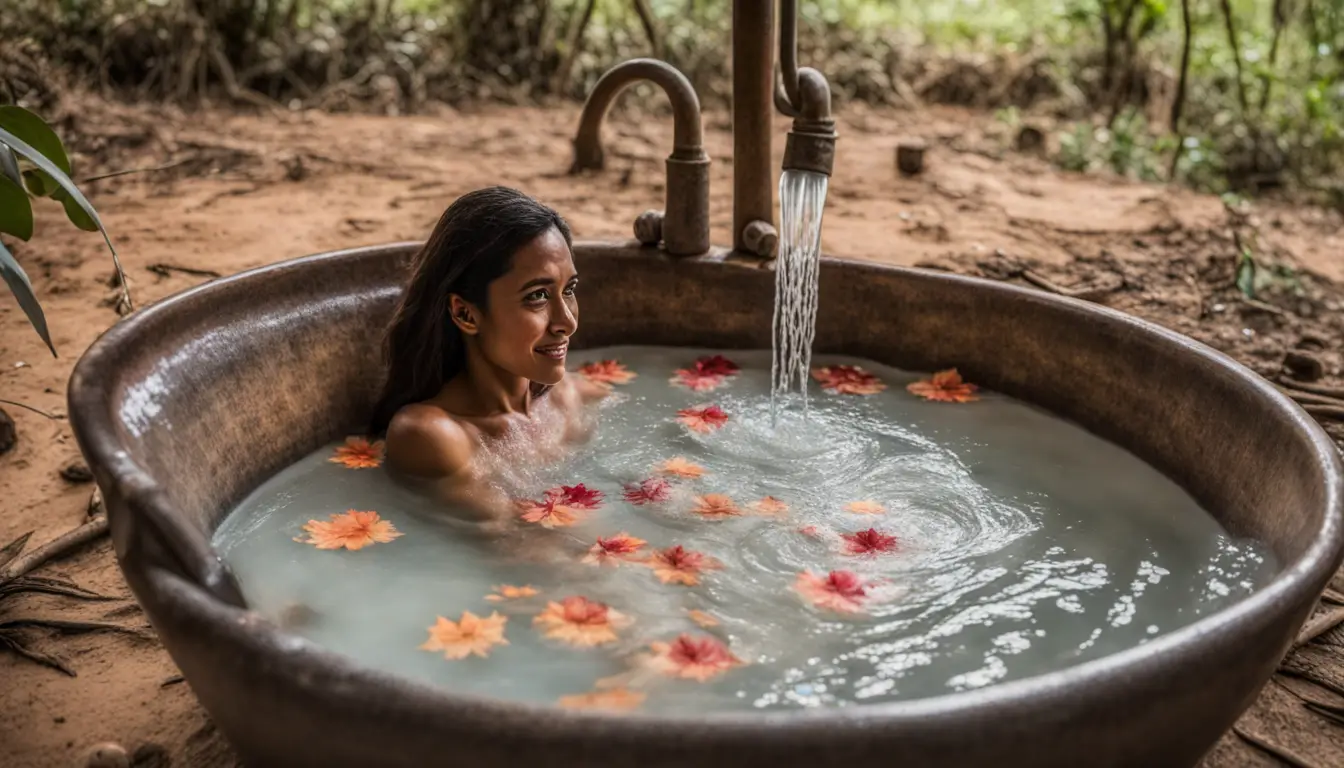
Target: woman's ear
<point>463,315</point>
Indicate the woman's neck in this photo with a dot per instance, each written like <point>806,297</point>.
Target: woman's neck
<point>492,389</point>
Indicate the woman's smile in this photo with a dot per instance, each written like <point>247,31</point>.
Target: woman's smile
<point>554,351</point>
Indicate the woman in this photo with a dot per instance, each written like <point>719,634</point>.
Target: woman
<point>476,352</point>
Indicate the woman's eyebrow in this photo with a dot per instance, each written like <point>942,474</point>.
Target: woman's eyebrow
<point>539,282</point>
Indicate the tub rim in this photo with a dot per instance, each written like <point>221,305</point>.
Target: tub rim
<point>97,434</point>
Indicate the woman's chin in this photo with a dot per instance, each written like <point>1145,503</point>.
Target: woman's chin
<point>549,375</point>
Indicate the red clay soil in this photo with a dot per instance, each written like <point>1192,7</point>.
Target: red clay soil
<point>242,191</point>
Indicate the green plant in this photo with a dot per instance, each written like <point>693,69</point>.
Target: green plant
<point>33,163</point>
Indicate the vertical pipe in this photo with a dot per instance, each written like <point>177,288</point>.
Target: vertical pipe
<point>753,85</point>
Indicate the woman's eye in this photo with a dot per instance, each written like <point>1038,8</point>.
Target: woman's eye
<point>570,290</point>
<point>537,295</point>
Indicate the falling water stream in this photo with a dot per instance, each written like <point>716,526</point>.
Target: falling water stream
<point>802,198</point>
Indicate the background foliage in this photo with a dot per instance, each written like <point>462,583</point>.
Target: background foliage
<point>1260,109</point>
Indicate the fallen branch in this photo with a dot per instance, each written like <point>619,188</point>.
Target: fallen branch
<point>1091,293</point>
<point>235,192</point>
<point>1319,626</point>
<point>1282,753</point>
<point>38,411</point>
<point>1307,398</point>
<point>129,171</point>
<point>47,586</point>
<point>1324,411</point>
<point>1263,306</point>
<point>68,626</point>
<point>58,547</point>
<point>1315,389</point>
<point>35,656</point>
<point>165,270</point>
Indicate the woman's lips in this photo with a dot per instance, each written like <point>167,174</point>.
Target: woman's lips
<point>555,351</point>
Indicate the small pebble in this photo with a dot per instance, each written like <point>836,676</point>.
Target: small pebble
<point>1303,366</point>
<point>107,755</point>
<point>76,472</point>
<point>9,434</point>
<point>58,720</point>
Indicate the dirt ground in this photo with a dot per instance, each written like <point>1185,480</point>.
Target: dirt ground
<point>239,191</point>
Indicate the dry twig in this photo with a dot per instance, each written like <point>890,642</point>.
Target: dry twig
<point>38,411</point>
<point>58,547</point>
<point>1319,626</point>
<point>1282,753</point>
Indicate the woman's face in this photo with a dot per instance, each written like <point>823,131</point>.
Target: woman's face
<point>533,311</point>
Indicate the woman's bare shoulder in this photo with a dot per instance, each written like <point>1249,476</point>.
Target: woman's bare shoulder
<point>425,441</point>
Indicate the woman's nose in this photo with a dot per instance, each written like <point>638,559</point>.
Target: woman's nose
<point>563,321</point>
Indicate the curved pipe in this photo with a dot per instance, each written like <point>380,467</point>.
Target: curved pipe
<point>788,55</point>
<point>685,224</point>
<point>687,136</point>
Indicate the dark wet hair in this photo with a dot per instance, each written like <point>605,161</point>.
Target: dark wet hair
<point>472,246</point>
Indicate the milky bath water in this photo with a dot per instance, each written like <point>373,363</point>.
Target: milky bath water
<point>989,540</point>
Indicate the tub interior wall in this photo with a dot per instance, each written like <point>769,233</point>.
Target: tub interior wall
<point>256,374</point>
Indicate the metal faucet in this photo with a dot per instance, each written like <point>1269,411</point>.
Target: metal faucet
<point>683,226</point>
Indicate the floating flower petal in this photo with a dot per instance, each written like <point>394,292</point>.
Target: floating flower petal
<point>715,505</point>
<point>358,453</point>
<point>865,507</point>
<point>607,372</point>
<point>548,513</point>
<point>717,365</point>
<point>703,619</point>
<point>351,530</point>
<point>945,387</point>
<point>680,467</point>
<point>869,542</point>
<point>692,658</point>
<point>615,699</point>
<point>769,506</point>
<point>576,496</point>
<point>651,491</point>
<point>847,380</point>
<point>810,531</point>
<point>472,635</point>
<point>841,591</point>
<point>697,381</point>
<point>581,622</point>
<point>509,592</point>
<point>678,565</point>
<point>702,418</point>
<point>614,550</point>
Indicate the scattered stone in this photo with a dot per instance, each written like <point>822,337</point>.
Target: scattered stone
<point>151,755</point>
<point>107,755</point>
<point>910,157</point>
<point>9,434</point>
<point>76,472</point>
<point>1303,366</point>
<point>58,720</point>
<point>1031,140</point>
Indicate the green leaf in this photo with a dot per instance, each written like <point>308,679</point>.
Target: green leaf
<point>9,165</point>
<point>73,212</point>
<point>18,283</point>
<point>1246,275</point>
<point>16,213</point>
<point>33,131</point>
<point>36,158</point>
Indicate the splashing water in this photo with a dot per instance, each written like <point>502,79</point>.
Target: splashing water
<point>802,198</point>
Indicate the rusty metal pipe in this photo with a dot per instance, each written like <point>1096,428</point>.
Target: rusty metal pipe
<point>811,143</point>
<point>685,225</point>
<point>788,52</point>
<point>753,79</point>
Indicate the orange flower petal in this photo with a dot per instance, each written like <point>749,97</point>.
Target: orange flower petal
<point>509,592</point>
<point>548,513</point>
<point>690,658</point>
<point>702,418</point>
<point>615,699</point>
<point>351,530</point>
<point>651,491</point>
<point>865,507</point>
<point>358,453</point>
<point>945,387</point>
<point>678,565</point>
<point>716,506</point>
<point>840,591</point>
<point>847,380</point>
<point>680,467</point>
<point>607,372</point>
<point>581,622</point>
<point>472,635</point>
<point>614,550</point>
<point>769,506</point>
<point>703,619</point>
